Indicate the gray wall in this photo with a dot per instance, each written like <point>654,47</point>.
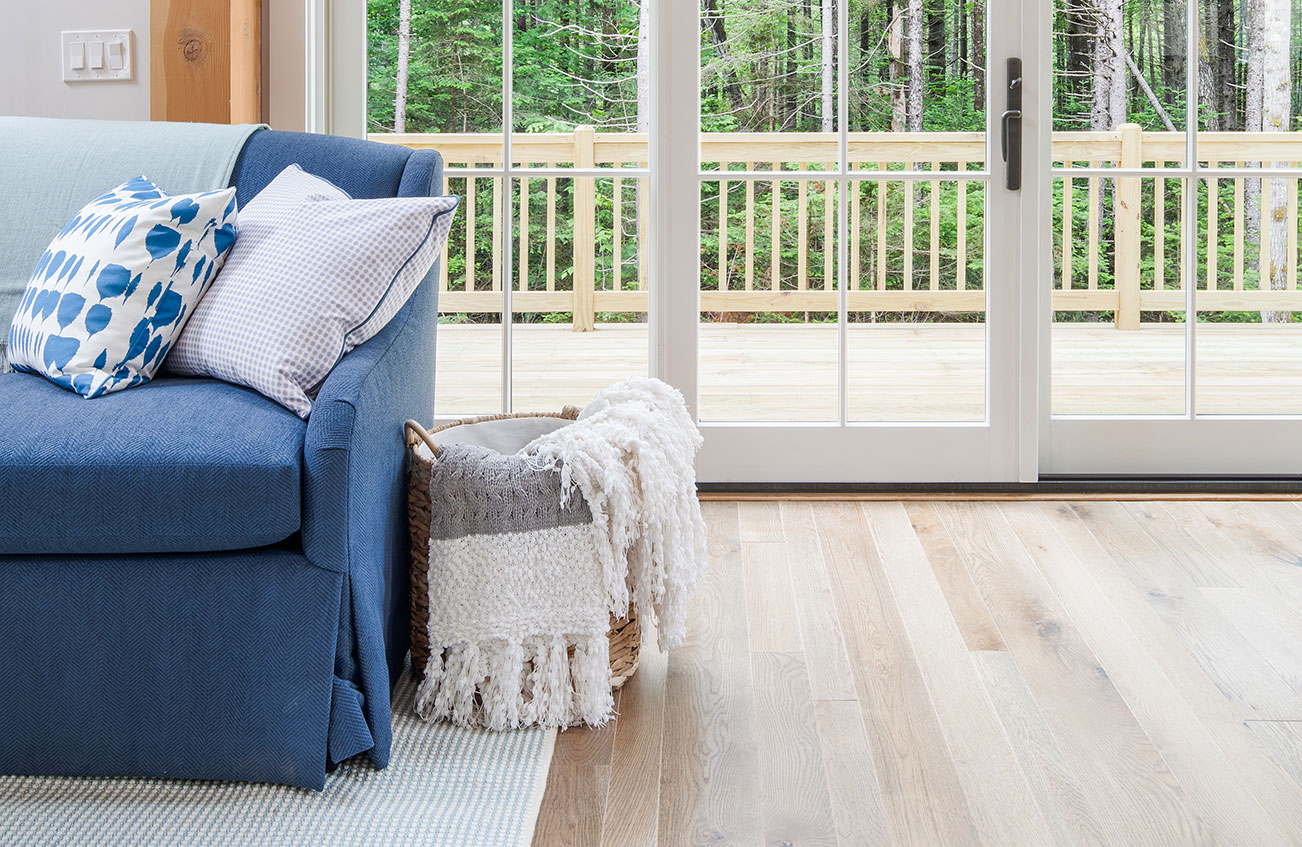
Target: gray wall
<point>31,78</point>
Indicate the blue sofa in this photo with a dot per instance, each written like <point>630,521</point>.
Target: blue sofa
<point>193,581</point>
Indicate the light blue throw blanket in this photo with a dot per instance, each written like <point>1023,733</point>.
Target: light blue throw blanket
<point>51,168</point>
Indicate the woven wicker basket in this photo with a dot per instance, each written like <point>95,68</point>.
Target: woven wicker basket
<point>625,634</point>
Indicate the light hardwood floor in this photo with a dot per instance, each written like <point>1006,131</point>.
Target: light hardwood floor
<point>962,673</point>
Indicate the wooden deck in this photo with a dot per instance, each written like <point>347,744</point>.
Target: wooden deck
<point>897,372</point>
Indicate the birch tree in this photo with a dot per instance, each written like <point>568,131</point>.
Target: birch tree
<point>828,66</point>
<point>1109,104</point>
<point>404,59</point>
<point>1276,103</point>
<point>914,56</point>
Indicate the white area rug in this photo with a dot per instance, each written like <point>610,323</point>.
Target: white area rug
<point>444,787</point>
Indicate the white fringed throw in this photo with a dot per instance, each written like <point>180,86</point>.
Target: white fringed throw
<point>531,553</point>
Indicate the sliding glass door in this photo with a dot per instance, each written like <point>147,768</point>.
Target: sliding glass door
<point>1174,345</point>
<point>796,212</point>
<point>855,244</point>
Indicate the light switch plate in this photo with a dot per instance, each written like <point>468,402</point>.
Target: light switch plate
<point>93,42</point>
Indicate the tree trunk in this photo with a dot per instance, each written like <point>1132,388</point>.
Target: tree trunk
<point>404,56</point>
<point>714,23</point>
<point>1226,61</point>
<point>1254,85</point>
<point>1173,53</point>
<point>962,41</point>
<point>979,55</point>
<point>913,55</point>
<point>898,70</point>
<point>936,39</point>
<point>1109,103</point>
<point>828,67</point>
<point>1276,108</point>
<point>644,67</point>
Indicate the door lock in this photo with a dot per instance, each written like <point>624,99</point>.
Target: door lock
<point>1010,125</point>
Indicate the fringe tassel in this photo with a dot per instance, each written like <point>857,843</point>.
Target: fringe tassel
<point>553,691</point>
<point>590,671</point>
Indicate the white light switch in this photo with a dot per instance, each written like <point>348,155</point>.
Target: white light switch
<point>96,55</point>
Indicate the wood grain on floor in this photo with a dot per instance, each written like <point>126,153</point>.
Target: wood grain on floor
<point>945,673</point>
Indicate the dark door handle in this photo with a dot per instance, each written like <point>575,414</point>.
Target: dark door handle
<point>1010,126</point>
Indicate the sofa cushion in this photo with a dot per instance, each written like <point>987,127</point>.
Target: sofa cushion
<point>174,465</point>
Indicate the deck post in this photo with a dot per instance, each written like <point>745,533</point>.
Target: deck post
<point>585,232</point>
<point>1126,220</point>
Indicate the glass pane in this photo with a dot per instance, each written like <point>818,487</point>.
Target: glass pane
<point>916,339</point>
<point>469,341</point>
<point>1118,342</point>
<point>450,80</point>
<point>917,67</point>
<point>580,292</point>
<point>1248,92</point>
<point>768,339</point>
<point>1249,354</point>
<point>1119,83</point>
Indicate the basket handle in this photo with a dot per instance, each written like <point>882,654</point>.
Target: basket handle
<point>417,434</point>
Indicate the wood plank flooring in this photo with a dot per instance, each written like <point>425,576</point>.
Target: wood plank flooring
<point>947,673</point>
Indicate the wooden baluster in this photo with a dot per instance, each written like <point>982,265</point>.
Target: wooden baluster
<point>775,235</point>
<point>723,229</point>
<point>585,231</point>
<point>1292,233</point>
<point>802,235</point>
<point>617,234</point>
<point>881,228</point>
<point>443,257</point>
<point>470,233</point>
<point>856,228</point>
<point>908,234</point>
<point>1238,231</point>
<point>1213,210</point>
<point>497,232</point>
<point>1264,225</point>
<point>551,230</point>
<point>1180,188</point>
<point>1068,228</point>
<point>934,258</point>
<point>829,234</point>
<point>1159,230</point>
<point>961,269</point>
<point>644,191</point>
<point>750,229</point>
<point>1093,229</point>
<point>524,234</point>
<point>1126,219</point>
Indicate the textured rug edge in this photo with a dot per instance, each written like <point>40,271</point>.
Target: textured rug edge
<point>539,789</point>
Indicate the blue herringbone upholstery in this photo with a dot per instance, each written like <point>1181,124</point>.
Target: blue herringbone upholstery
<point>146,651</point>
<point>150,470</point>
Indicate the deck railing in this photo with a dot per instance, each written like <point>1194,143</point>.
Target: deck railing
<point>576,240</point>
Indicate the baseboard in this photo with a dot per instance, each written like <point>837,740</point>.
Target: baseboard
<point>1049,488</point>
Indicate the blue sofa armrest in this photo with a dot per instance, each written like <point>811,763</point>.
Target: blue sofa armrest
<point>355,499</point>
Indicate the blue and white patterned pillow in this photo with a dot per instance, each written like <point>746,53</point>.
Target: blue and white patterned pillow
<point>313,275</point>
<point>115,287</point>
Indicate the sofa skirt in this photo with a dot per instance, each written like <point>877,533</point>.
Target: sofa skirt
<point>198,666</point>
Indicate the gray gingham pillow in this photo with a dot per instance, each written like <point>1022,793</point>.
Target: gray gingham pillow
<point>312,275</point>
